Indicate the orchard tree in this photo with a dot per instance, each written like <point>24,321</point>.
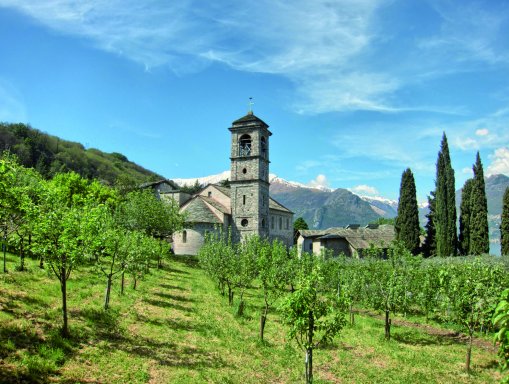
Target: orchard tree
<point>504,226</point>
<point>479,236</point>
<point>445,203</point>
<point>143,211</point>
<point>501,321</point>
<point>273,264</point>
<point>407,221</point>
<point>314,316</point>
<point>65,215</point>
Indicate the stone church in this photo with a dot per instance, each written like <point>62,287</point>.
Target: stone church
<point>245,206</point>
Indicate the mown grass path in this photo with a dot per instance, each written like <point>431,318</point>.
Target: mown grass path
<point>177,328</point>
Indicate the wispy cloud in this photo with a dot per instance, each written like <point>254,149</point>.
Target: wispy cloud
<point>329,50</point>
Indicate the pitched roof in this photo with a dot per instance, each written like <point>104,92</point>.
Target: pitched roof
<point>224,190</point>
<point>273,204</point>
<point>250,117</point>
<point>199,212</point>
<point>360,238</point>
<point>171,183</point>
<point>217,205</point>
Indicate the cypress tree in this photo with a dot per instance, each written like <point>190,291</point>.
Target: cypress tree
<point>430,246</point>
<point>479,236</point>
<point>465,211</point>
<point>407,221</point>
<point>445,214</point>
<point>504,226</point>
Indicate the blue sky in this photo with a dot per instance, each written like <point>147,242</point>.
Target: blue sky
<point>354,91</point>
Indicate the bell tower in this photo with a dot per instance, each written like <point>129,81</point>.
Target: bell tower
<point>249,177</point>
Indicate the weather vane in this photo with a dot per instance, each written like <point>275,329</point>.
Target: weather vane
<point>251,103</point>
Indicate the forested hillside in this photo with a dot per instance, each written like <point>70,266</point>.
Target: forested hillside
<point>50,155</point>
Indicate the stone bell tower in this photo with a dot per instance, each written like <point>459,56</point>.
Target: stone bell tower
<point>249,177</point>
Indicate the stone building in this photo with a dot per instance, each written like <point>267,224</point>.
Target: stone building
<point>352,241</point>
<point>244,207</point>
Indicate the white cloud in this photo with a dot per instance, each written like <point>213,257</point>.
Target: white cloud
<point>482,132</point>
<point>467,171</point>
<point>319,182</point>
<point>365,190</point>
<point>465,143</point>
<point>499,162</point>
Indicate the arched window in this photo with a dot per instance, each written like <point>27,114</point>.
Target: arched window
<point>263,223</point>
<point>184,236</point>
<point>245,145</point>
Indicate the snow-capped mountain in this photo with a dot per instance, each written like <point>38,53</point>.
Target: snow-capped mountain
<point>273,179</point>
<point>384,207</point>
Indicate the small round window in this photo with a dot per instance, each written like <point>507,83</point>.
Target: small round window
<point>244,171</point>
<point>244,222</point>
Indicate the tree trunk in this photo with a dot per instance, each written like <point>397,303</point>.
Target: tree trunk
<point>63,288</point>
<point>309,350</point>
<point>107,294</point>
<point>469,352</point>
<point>240,309</point>
<point>263,319</point>
<point>387,325</point>
<point>352,315</point>
<point>21,256</point>
<point>41,262</point>
<point>4,249</point>
<point>135,282</point>
<point>230,295</point>
<point>122,283</point>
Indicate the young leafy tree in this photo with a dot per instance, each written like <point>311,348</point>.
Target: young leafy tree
<point>314,316</point>
<point>66,213</point>
<point>143,211</point>
<point>465,215</point>
<point>504,226</point>
<point>8,200</point>
<point>479,236</point>
<point>473,293</point>
<point>501,320</point>
<point>273,264</point>
<point>298,224</point>
<point>407,221</point>
<point>244,267</point>
<point>445,214</point>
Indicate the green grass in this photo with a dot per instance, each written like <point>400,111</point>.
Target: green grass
<point>176,328</point>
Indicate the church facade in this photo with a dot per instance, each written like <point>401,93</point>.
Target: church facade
<point>244,207</point>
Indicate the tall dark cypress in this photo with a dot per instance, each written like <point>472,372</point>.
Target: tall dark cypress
<point>465,212</point>
<point>407,221</point>
<point>430,246</point>
<point>445,215</point>
<point>479,236</point>
<point>504,226</point>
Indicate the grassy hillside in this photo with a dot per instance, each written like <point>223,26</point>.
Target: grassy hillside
<point>176,328</point>
<point>50,155</point>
